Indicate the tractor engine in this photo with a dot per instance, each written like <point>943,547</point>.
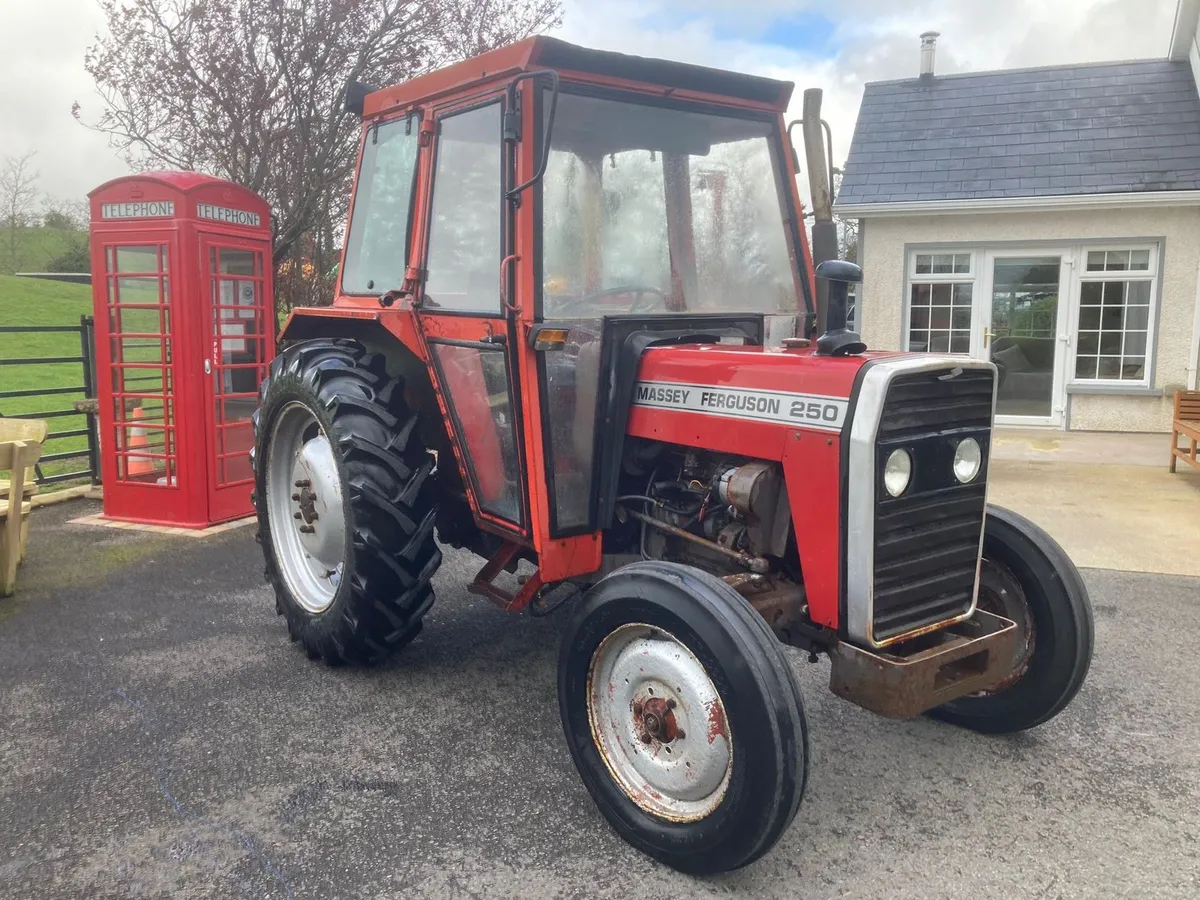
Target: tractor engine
<point>720,513</point>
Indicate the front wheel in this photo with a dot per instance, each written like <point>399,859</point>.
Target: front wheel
<point>683,717</point>
<point>1027,577</point>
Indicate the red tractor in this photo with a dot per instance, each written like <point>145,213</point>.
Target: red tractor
<point>575,328</point>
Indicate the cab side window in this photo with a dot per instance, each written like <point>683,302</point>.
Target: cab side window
<point>464,234</point>
<point>377,246</point>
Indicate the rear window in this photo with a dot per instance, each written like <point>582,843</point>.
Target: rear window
<point>377,245</point>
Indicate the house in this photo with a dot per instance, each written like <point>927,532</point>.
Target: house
<point>1047,219</point>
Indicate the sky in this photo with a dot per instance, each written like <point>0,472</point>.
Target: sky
<point>837,45</point>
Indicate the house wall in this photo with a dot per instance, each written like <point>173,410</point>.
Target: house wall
<point>1185,41</point>
<point>882,248</point>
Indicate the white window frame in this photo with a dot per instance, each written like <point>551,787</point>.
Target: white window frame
<point>971,277</point>
<point>1153,275</point>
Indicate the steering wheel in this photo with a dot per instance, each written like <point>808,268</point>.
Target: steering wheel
<point>639,292</point>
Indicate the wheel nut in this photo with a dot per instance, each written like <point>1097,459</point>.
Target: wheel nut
<point>645,737</point>
<point>307,529</point>
<point>296,497</point>
<point>680,733</point>
<point>296,516</point>
<point>303,483</point>
<point>670,704</point>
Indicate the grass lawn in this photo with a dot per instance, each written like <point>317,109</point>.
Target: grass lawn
<point>26,301</point>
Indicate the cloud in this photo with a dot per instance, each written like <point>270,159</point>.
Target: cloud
<point>42,43</point>
<point>874,40</point>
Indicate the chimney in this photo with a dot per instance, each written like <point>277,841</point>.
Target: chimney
<point>928,48</point>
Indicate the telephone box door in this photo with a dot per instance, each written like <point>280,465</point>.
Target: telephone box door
<point>237,291</point>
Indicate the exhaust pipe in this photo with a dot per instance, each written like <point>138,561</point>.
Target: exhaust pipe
<point>834,276</point>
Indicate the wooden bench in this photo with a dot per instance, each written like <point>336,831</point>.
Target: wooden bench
<point>33,430</point>
<point>1186,425</point>
<point>17,458</point>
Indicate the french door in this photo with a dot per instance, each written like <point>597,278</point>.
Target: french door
<point>1020,322</point>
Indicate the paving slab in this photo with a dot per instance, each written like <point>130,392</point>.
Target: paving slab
<point>1132,518</point>
<point>1054,445</point>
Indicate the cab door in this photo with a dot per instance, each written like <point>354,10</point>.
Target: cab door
<point>464,317</point>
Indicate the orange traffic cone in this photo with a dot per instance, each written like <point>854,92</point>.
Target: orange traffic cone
<point>138,464</point>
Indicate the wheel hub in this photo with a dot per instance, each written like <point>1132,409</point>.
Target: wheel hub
<point>307,500</point>
<point>659,723</point>
<point>318,515</point>
<point>655,720</point>
<point>1000,593</point>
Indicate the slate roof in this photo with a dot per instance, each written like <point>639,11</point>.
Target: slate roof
<point>1092,129</point>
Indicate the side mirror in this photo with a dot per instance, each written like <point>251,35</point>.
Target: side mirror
<point>837,339</point>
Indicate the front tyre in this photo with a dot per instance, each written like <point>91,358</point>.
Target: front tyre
<point>345,502</point>
<point>683,717</point>
<point>1027,577</point>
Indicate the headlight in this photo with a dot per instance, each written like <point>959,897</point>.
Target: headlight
<point>897,472</point>
<point>968,459</point>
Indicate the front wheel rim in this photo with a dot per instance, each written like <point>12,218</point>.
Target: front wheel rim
<point>659,723</point>
<point>1004,596</point>
<point>306,508</point>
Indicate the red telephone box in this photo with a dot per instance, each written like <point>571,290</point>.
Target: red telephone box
<point>183,292</point>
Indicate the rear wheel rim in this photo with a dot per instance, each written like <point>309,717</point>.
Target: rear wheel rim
<point>659,723</point>
<point>306,508</point>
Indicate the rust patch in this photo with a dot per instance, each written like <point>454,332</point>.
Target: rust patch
<point>909,679</point>
<point>717,726</point>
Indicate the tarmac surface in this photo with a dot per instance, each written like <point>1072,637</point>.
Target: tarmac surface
<point>160,737</point>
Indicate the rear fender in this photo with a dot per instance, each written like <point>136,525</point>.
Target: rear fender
<point>392,334</point>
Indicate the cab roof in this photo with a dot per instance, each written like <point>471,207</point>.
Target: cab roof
<point>600,66</point>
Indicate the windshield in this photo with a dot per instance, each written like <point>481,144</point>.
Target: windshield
<point>650,210</point>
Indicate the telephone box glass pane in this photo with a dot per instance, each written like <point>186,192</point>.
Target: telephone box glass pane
<point>464,236</point>
<point>476,383</point>
<point>237,325</point>
<point>140,352</point>
<point>138,259</point>
<point>377,248</point>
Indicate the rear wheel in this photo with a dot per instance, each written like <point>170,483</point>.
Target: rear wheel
<point>345,502</point>
<point>1027,577</point>
<point>683,717</point>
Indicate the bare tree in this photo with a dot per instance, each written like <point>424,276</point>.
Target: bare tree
<point>18,202</point>
<point>252,90</point>
<point>847,229</point>
<point>65,215</point>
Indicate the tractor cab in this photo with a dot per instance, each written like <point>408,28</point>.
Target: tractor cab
<point>519,204</point>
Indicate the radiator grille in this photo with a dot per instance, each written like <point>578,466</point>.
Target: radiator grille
<point>927,540</point>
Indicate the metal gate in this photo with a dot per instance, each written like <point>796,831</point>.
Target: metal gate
<point>65,459</point>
